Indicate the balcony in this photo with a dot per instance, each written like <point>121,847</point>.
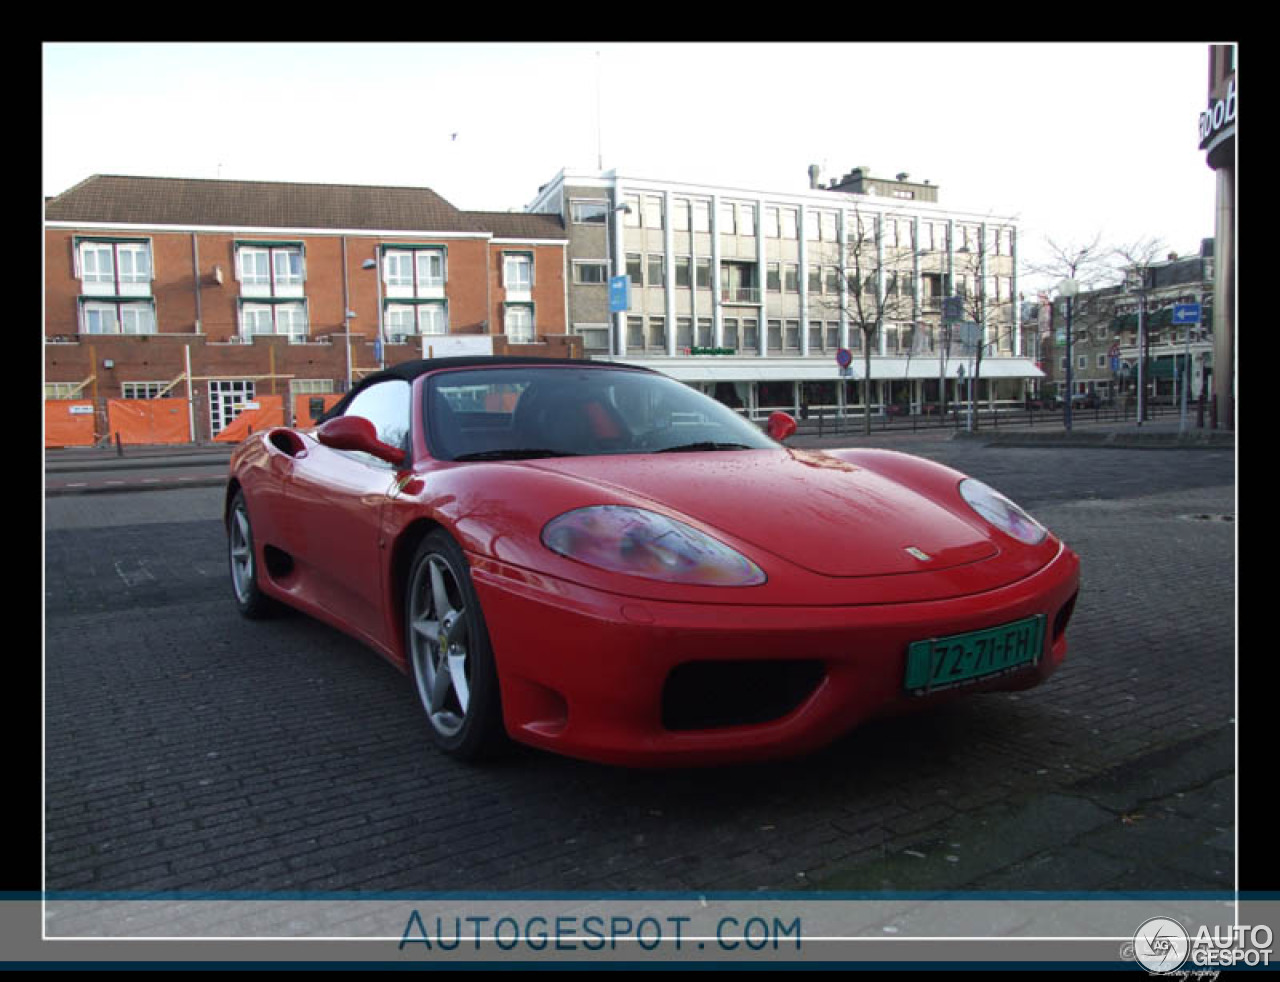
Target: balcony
<point>740,294</point>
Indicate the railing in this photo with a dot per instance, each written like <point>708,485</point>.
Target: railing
<point>830,421</point>
<point>740,294</point>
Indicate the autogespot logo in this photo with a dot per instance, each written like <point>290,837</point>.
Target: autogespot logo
<point>1161,945</point>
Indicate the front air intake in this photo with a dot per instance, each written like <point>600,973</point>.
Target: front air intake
<point>711,694</point>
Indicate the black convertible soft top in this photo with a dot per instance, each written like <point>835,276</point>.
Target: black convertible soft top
<point>409,370</point>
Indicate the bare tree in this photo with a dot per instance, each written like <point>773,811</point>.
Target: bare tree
<point>870,296</point>
<point>1087,263</point>
<point>1135,261</point>
<point>987,311</point>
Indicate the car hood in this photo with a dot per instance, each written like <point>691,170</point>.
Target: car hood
<point>814,510</point>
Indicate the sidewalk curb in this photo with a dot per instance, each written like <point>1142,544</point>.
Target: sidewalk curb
<point>64,490</point>
<point>1114,439</point>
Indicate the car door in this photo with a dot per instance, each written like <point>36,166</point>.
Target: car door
<point>336,498</point>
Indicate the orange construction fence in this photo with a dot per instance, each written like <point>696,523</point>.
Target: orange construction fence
<point>148,421</point>
<point>305,406</point>
<point>262,412</point>
<point>68,422</point>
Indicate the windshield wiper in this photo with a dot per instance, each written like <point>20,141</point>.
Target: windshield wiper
<point>515,453</point>
<point>705,445</point>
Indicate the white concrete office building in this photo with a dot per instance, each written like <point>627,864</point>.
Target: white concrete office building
<point>752,295</point>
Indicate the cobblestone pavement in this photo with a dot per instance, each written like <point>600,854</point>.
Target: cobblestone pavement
<point>188,749</point>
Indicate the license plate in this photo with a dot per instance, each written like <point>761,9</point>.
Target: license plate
<point>941,663</point>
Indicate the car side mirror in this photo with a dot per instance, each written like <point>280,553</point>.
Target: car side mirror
<point>357,433</point>
<point>781,426</point>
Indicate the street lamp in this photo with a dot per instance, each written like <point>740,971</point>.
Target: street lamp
<point>617,338</point>
<point>1136,282</point>
<point>373,264</point>
<point>1068,289</point>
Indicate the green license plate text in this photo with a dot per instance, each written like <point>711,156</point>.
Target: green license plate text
<point>940,663</point>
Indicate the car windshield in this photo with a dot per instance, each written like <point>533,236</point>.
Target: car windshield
<point>518,413</point>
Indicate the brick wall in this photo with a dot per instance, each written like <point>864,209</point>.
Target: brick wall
<point>196,313</point>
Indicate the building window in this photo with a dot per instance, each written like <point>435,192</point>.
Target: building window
<point>270,269</point>
<point>771,224</point>
<point>827,220</point>
<point>680,216</point>
<point>791,340</point>
<point>289,319</point>
<point>791,278</point>
<point>701,216</point>
<point>746,219</point>
<point>653,211</point>
<point>702,273</point>
<point>658,333</point>
<point>811,225</point>
<point>684,267</point>
<point>518,323</point>
<point>117,318</point>
<point>587,273</point>
<point>789,219</point>
<point>589,212</point>
<point>773,277</point>
<point>635,268</point>
<point>414,272</point>
<point>657,271</point>
<point>595,338</point>
<point>517,271</point>
<point>631,216</point>
<point>62,390</point>
<point>114,267</point>
<point>728,219</point>
<point>310,386</point>
<point>142,390</point>
<point>402,320</point>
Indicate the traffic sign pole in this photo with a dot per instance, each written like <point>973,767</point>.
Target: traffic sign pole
<point>1187,314</point>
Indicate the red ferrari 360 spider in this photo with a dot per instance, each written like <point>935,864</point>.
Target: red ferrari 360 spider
<point>600,561</point>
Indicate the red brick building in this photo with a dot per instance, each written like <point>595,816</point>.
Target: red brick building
<point>228,291</point>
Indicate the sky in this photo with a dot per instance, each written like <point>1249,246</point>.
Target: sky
<point>1075,141</point>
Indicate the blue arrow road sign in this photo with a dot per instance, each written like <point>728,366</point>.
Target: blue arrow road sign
<point>1186,313</point>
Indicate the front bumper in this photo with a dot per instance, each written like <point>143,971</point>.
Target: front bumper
<point>586,673</point>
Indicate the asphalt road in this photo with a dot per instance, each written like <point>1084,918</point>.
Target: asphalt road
<point>188,749</point>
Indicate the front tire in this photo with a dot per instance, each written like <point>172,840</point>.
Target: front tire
<point>449,652</point>
<point>250,600</point>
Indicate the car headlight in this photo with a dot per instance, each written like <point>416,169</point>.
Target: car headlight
<point>1001,512</point>
<point>646,544</point>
